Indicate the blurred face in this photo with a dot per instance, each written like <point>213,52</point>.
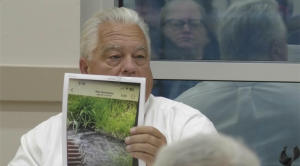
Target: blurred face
<point>121,51</point>
<point>193,33</point>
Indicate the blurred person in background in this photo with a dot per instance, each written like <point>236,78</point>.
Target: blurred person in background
<point>265,114</point>
<point>186,32</point>
<point>207,150</point>
<point>251,32</point>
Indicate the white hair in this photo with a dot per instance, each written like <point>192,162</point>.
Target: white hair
<point>207,150</point>
<point>90,38</point>
<point>248,30</point>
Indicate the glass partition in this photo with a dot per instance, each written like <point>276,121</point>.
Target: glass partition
<point>231,30</point>
<point>265,115</point>
<point>245,78</point>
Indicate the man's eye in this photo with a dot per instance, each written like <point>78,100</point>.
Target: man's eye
<point>114,57</point>
<point>177,24</point>
<point>140,57</point>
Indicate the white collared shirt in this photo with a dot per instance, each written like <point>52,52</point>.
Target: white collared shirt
<point>43,144</point>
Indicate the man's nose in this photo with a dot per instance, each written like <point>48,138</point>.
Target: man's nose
<point>186,28</point>
<point>128,67</point>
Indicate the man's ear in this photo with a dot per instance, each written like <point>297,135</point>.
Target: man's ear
<point>274,52</point>
<point>83,65</point>
<point>278,51</point>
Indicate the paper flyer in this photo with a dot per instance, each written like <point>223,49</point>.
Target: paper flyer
<point>98,112</point>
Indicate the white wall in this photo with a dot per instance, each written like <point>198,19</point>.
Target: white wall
<point>40,32</point>
<point>88,8</point>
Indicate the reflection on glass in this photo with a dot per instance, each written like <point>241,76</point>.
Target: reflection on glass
<point>186,33</point>
<point>253,31</point>
<point>171,88</point>
<point>265,115</point>
<point>235,30</point>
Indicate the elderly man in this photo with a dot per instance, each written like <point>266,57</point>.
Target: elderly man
<point>265,114</point>
<point>116,42</point>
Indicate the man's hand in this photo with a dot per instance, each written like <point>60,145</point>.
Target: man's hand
<point>144,143</point>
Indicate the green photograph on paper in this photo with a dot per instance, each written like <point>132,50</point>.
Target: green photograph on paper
<point>99,117</point>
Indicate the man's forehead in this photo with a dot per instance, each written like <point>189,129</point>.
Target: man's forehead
<point>121,35</point>
<point>122,29</point>
<point>190,9</point>
<point>119,47</point>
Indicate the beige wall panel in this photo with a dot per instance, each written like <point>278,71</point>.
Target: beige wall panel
<point>17,118</point>
<point>35,32</point>
<point>32,83</point>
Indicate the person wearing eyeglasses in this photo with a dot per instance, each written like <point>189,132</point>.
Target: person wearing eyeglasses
<point>183,22</point>
<point>187,34</point>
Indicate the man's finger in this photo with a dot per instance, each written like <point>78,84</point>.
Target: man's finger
<point>143,147</point>
<point>144,138</point>
<point>146,130</point>
<point>147,158</point>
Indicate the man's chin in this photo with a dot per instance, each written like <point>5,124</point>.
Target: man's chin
<point>185,46</point>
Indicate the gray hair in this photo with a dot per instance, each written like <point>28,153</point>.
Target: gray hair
<point>248,30</point>
<point>90,38</point>
<point>207,150</point>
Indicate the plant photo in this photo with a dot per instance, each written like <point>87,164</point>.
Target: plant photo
<point>97,128</point>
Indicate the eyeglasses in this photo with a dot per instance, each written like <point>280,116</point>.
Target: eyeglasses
<point>177,25</point>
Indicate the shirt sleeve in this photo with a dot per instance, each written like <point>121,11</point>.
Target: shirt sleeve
<point>194,122</point>
<point>196,125</point>
<point>24,155</point>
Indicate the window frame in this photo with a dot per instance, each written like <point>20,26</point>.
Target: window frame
<point>226,71</point>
